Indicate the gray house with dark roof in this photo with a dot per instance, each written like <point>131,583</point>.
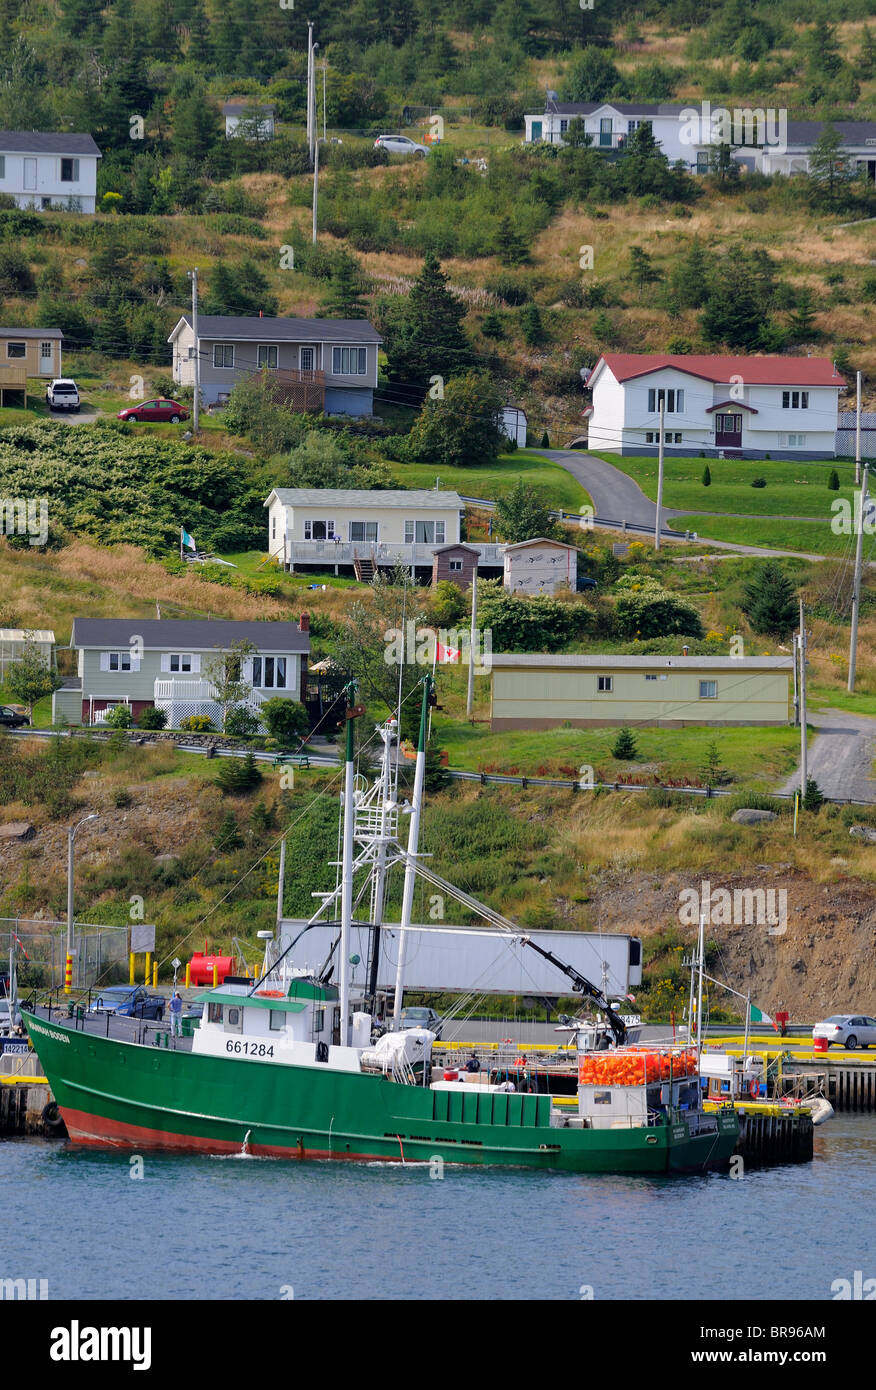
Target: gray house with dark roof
<point>166,662</point>
<point>45,170</point>
<point>325,365</point>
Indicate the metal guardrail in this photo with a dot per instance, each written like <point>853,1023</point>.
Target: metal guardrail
<point>607,522</point>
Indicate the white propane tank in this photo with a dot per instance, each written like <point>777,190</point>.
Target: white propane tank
<point>361,1030</point>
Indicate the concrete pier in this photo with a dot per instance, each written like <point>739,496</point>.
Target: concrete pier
<point>27,1107</point>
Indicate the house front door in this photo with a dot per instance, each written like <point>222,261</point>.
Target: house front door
<point>537,128</point>
<point>728,431</point>
<point>30,172</point>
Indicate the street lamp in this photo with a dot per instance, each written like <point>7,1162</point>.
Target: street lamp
<point>71,836</point>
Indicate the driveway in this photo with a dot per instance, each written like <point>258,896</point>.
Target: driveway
<point>615,496</point>
<point>841,755</point>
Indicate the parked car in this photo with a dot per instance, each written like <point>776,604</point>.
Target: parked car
<point>852,1030</point>
<point>129,1001</point>
<point>585,582</point>
<point>62,394</point>
<point>400,144</point>
<point>160,409</point>
<point>12,719</point>
<point>421,1018</point>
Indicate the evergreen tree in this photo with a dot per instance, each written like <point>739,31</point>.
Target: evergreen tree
<point>228,836</point>
<point>111,335</point>
<point>343,300</point>
<point>802,321</point>
<point>426,338</point>
<point>813,797</point>
<point>734,310</point>
<point>722,165</point>
<point>866,64</point>
<point>689,283</point>
<point>522,515</point>
<point>642,269</point>
<point>592,76</point>
<point>707,476</point>
<point>511,247</point>
<point>195,124</point>
<point>712,774</point>
<point>436,776</point>
<point>769,601</point>
<point>531,326</point>
<point>833,481</point>
<point>625,747</point>
<point>829,168</point>
<point>545,440</point>
<point>262,818</point>
<point>493,325</point>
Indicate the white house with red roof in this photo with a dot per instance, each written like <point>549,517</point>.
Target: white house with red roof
<point>742,407</point>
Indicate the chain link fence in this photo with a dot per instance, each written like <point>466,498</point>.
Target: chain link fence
<point>40,949</point>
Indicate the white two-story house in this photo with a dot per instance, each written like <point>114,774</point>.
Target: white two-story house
<point>745,407</point>
<point>49,170</point>
<point>326,365</point>
<point>609,124</point>
<point>141,662</point>
<point>365,531</point>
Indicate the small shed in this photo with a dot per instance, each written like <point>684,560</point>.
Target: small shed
<point>514,424</point>
<point>456,562</point>
<point>13,641</point>
<point>540,566</point>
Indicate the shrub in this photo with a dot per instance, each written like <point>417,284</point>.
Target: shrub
<point>758,482</point>
<point>240,722</point>
<point>285,720</point>
<point>707,476</point>
<point>152,718</point>
<point>447,603</point>
<point>813,797</point>
<point>120,717</point>
<point>833,481</point>
<point>197,724</point>
<point>122,797</point>
<point>238,775</point>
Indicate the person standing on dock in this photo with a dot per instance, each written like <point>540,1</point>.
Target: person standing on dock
<point>176,1015</point>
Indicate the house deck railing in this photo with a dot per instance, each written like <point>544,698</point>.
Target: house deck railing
<point>383,554</point>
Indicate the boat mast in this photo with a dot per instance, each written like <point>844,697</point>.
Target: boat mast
<point>700,990</point>
<point>352,713</point>
<point>413,841</point>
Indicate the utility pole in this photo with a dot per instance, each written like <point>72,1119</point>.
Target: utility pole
<point>660,474</point>
<point>324,70</point>
<point>858,436</point>
<point>796,687</point>
<point>469,696</point>
<point>801,643</point>
<point>310,88</point>
<point>196,412</point>
<point>856,592</point>
<point>315,186</point>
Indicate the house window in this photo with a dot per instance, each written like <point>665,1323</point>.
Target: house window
<point>16,350</point>
<point>268,357</point>
<point>650,678</point>
<point>671,400</point>
<point>708,690</point>
<point>223,354</point>
<point>119,661</point>
<point>795,400</point>
<point>792,441</point>
<point>69,170</point>
<point>2,166</point>
<point>269,672</point>
<point>363,530</point>
<point>273,528</point>
<point>455,567</point>
<point>180,662</point>
<point>424,532</point>
<point>316,530</point>
<point>564,126</point>
<point>349,361</point>
<point>605,684</point>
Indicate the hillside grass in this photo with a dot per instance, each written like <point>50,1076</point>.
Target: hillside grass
<point>555,483</point>
<point>794,489</point>
<point>809,537</point>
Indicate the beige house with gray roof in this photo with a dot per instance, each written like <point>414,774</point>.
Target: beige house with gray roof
<point>537,691</point>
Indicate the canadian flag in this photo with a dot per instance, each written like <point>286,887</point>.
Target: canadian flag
<point>447,654</point>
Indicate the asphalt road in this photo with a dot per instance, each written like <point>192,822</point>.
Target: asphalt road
<point>615,496</point>
<point>841,755</point>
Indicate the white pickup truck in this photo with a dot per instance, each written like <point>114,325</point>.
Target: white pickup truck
<point>62,394</point>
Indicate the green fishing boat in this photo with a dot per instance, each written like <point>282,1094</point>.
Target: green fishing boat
<point>285,1067</point>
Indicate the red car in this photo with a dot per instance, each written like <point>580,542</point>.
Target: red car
<point>155,410</point>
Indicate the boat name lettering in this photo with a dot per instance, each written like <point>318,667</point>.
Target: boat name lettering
<point>251,1049</point>
<point>50,1033</point>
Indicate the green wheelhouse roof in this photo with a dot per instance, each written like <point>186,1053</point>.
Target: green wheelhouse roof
<point>247,1001</point>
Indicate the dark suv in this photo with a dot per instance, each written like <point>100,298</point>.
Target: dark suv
<point>11,719</point>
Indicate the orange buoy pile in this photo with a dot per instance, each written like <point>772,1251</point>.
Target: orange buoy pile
<point>634,1066</point>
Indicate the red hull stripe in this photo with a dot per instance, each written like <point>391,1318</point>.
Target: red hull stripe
<point>96,1131</point>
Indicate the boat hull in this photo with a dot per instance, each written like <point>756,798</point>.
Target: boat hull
<point>122,1095</point>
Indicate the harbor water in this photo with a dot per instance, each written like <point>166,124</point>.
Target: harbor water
<point>251,1228</point>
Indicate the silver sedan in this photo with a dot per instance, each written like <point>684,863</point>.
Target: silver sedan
<point>400,144</point>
